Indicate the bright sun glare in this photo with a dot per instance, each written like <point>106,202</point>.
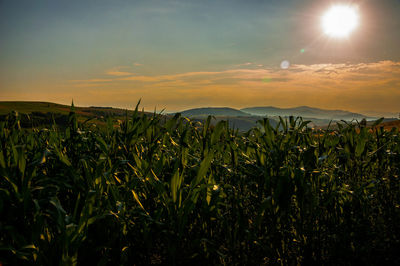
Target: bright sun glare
<point>340,20</point>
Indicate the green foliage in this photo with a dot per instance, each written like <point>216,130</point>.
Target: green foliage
<point>172,191</point>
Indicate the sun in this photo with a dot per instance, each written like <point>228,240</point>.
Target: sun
<point>340,20</point>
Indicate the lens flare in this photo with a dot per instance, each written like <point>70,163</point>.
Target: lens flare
<point>285,64</point>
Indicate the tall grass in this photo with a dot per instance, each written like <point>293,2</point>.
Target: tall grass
<point>157,191</point>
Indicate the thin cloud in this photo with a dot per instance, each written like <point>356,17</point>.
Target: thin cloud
<point>92,80</point>
<point>119,73</point>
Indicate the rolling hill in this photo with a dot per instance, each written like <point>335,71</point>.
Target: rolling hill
<point>44,113</point>
<point>304,111</point>
<point>25,107</point>
<point>236,118</point>
<point>215,111</point>
<point>391,124</point>
<point>244,119</point>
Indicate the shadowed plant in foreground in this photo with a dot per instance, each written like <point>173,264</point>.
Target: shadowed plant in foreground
<point>171,191</point>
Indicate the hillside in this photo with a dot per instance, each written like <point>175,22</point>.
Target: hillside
<point>47,107</point>
<point>303,111</point>
<point>45,113</point>
<point>237,119</point>
<point>216,111</point>
<point>246,118</point>
<point>391,124</point>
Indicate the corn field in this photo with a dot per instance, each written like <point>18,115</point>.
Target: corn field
<point>171,191</point>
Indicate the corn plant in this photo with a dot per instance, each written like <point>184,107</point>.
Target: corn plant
<point>153,189</point>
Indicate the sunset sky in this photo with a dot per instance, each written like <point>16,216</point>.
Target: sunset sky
<point>184,54</point>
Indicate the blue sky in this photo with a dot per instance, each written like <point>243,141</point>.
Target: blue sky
<point>58,50</point>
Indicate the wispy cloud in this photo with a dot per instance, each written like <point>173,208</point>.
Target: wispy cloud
<point>244,64</point>
<point>248,64</point>
<point>78,81</point>
<point>119,71</point>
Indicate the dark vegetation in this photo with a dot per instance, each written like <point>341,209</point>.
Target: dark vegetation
<point>242,123</point>
<point>171,191</point>
<point>38,119</point>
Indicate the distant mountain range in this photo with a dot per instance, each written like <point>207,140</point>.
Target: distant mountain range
<point>303,111</point>
<point>216,111</point>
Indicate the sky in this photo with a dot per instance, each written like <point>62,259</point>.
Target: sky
<point>182,54</point>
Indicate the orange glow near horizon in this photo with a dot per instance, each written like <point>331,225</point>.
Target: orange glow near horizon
<point>353,87</point>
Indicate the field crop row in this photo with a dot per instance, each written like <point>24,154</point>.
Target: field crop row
<point>172,191</point>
